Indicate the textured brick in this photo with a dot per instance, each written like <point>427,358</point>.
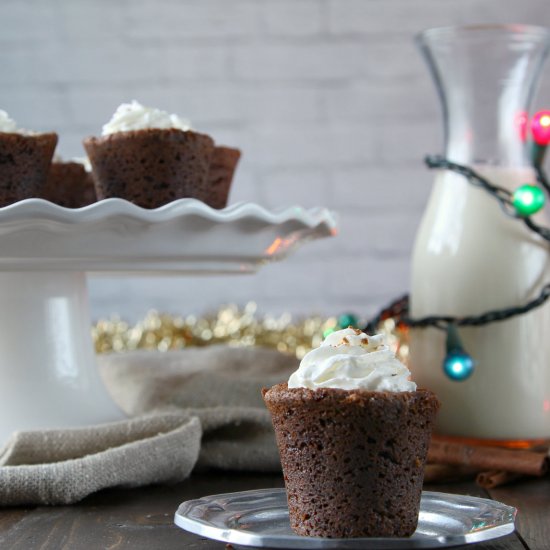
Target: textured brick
<point>20,67</point>
<point>105,63</point>
<point>27,21</point>
<point>245,186</point>
<point>389,16</point>
<point>324,145</point>
<point>133,297</point>
<point>409,143</point>
<point>395,59</point>
<point>306,187</point>
<point>368,278</point>
<point>90,21</point>
<point>112,64</point>
<point>299,61</point>
<point>32,109</point>
<point>329,100</point>
<point>370,100</point>
<point>377,234</point>
<point>210,104</point>
<point>380,235</point>
<point>286,280</point>
<point>176,19</point>
<point>293,17</point>
<point>373,189</point>
<point>194,62</point>
<point>262,105</point>
<point>201,103</point>
<point>122,63</point>
<point>91,106</point>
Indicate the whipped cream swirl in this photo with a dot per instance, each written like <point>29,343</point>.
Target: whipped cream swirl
<point>7,124</point>
<point>134,116</point>
<point>348,359</point>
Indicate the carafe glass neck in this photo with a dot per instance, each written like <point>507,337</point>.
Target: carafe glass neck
<point>486,76</point>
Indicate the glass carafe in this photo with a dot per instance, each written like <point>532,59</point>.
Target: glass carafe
<point>469,257</point>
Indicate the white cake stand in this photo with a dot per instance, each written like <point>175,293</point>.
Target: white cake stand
<point>48,372</point>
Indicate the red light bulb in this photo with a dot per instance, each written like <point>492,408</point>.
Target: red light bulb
<point>540,127</point>
<point>521,121</point>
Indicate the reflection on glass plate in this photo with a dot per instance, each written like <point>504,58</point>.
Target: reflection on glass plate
<point>183,236</point>
<point>259,519</point>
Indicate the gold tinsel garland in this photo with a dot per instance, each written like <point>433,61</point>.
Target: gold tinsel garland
<point>232,326</point>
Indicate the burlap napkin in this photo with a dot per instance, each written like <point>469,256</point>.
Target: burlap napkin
<point>199,407</point>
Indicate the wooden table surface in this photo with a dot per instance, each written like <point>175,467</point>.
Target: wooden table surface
<point>143,518</point>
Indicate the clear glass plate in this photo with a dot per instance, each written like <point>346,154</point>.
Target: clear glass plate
<point>259,519</point>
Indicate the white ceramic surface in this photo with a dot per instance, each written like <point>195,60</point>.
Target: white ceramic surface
<point>470,258</point>
<point>183,236</point>
<point>47,364</point>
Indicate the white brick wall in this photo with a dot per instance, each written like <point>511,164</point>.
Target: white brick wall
<point>328,99</point>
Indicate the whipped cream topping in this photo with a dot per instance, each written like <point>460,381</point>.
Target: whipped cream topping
<point>348,359</point>
<point>85,161</point>
<point>7,124</point>
<point>134,116</point>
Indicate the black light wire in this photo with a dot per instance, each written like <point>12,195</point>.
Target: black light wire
<point>399,308</point>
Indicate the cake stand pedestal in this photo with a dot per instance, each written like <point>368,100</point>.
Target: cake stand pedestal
<point>49,377</point>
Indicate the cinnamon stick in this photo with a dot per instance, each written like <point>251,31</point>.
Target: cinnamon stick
<point>488,458</point>
<point>495,478</point>
<point>442,473</point>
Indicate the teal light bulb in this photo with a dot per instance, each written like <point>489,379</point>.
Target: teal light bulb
<point>458,365</point>
<point>347,320</point>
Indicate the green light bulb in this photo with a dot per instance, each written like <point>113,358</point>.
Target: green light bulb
<point>528,199</point>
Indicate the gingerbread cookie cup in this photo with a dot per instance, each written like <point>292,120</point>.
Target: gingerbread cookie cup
<point>220,175</point>
<point>151,167</point>
<point>70,185</point>
<point>24,163</point>
<point>353,460</point>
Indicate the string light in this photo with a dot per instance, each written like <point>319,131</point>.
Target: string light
<point>237,328</point>
<point>528,199</point>
<point>540,127</point>
<point>540,130</point>
<point>457,365</point>
<point>502,195</point>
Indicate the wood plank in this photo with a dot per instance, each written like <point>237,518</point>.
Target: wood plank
<point>141,519</point>
<point>532,499</point>
<point>9,517</point>
<point>123,518</point>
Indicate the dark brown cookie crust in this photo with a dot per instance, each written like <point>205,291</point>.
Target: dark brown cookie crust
<point>222,169</point>
<point>151,167</point>
<point>69,185</point>
<point>24,164</point>
<point>353,461</point>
